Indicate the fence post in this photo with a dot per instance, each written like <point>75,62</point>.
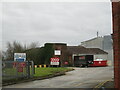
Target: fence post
<point>33,68</point>
<point>17,69</point>
<point>28,69</point>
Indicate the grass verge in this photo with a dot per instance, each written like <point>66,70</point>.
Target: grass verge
<point>40,73</point>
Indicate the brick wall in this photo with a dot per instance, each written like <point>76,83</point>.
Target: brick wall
<point>63,48</point>
<point>116,42</point>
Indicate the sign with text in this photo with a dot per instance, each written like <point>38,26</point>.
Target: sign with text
<point>82,57</point>
<point>54,61</point>
<point>19,56</point>
<point>57,52</point>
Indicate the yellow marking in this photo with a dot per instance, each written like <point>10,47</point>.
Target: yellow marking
<point>35,66</point>
<point>101,84</point>
<point>40,66</point>
<point>44,65</point>
<point>79,84</point>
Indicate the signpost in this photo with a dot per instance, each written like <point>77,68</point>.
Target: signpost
<point>19,56</point>
<point>54,61</point>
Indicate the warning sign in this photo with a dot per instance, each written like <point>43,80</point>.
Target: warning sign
<point>19,66</point>
<point>20,69</point>
<point>54,61</point>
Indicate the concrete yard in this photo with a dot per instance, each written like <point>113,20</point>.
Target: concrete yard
<point>79,78</point>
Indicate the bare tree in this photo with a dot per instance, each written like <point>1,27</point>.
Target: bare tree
<point>33,45</point>
<point>9,52</point>
<point>14,47</point>
<point>17,47</point>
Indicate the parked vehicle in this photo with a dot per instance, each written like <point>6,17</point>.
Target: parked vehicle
<point>83,61</point>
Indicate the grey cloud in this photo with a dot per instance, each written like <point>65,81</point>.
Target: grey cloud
<point>55,22</point>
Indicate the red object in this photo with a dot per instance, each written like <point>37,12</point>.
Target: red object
<point>55,59</point>
<point>20,69</point>
<point>99,63</point>
<point>66,63</point>
<point>82,57</point>
<point>19,66</point>
<point>14,64</point>
<point>22,64</point>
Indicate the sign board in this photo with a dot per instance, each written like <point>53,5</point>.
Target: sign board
<point>19,56</point>
<point>20,69</point>
<point>54,61</point>
<point>20,64</point>
<point>82,57</point>
<point>57,52</point>
<point>66,63</point>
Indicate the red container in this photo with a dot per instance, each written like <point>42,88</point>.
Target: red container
<point>99,63</point>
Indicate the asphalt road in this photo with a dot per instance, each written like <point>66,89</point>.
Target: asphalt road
<point>79,78</point>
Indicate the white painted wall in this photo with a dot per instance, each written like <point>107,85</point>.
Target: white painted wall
<point>101,56</point>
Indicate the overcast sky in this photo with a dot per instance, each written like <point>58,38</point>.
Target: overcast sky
<point>62,22</point>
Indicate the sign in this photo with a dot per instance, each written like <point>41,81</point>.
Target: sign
<point>82,57</point>
<point>54,61</point>
<point>19,66</point>
<point>66,63</point>
<point>19,56</point>
<point>57,52</point>
<point>20,69</point>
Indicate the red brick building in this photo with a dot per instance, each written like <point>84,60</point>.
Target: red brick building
<point>116,41</point>
<point>67,53</point>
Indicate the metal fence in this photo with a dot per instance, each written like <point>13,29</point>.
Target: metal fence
<point>16,69</point>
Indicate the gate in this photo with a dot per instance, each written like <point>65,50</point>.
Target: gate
<point>17,69</point>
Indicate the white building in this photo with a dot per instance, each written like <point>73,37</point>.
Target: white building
<point>105,43</point>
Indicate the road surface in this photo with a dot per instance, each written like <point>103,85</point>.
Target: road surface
<point>79,78</point>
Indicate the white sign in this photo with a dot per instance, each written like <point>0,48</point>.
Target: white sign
<point>19,56</point>
<point>57,52</point>
<point>54,61</point>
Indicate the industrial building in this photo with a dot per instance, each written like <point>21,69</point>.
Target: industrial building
<point>67,53</point>
<point>105,43</point>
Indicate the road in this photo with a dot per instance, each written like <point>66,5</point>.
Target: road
<point>79,78</point>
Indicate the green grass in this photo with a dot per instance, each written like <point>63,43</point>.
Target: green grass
<point>38,71</point>
<point>41,72</point>
<point>12,71</point>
